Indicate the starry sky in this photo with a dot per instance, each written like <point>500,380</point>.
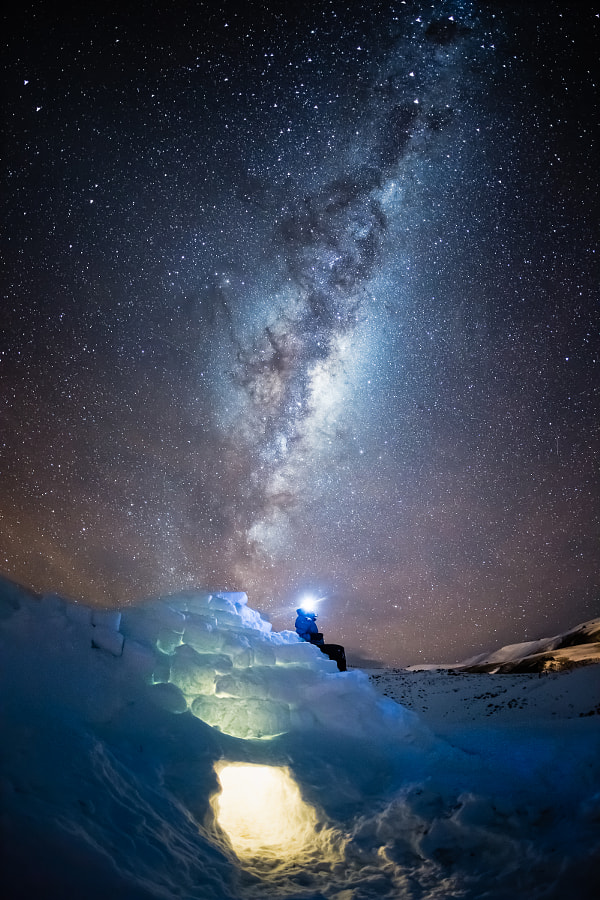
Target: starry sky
<point>304,297</point>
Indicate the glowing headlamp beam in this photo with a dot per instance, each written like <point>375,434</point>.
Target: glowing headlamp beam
<point>308,602</point>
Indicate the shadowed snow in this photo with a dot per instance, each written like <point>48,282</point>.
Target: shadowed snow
<point>142,749</point>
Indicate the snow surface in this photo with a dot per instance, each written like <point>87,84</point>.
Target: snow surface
<point>117,725</point>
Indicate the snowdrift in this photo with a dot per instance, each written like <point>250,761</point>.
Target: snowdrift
<point>180,748</point>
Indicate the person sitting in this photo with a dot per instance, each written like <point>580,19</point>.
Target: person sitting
<point>306,628</point>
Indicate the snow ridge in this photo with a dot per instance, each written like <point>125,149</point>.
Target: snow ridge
<point>576,647</point>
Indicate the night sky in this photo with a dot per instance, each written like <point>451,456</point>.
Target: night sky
<point>305,297</point>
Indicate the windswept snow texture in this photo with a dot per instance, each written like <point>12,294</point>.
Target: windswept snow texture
<point>117,724</point>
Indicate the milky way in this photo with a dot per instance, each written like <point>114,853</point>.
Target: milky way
<point>306,301</point>
<point>297,373</point>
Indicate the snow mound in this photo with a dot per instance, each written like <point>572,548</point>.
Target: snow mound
<point>210,654</point>
<point>214,656</point>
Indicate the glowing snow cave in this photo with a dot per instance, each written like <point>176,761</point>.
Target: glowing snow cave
<point>261,810</point>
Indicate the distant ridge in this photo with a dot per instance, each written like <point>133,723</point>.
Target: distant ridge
<point>578,647</point>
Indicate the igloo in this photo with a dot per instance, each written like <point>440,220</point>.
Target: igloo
<point>211,654</point>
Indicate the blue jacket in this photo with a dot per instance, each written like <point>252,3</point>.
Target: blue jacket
<point>305,626</point>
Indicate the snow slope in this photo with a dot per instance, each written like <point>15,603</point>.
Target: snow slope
<point>449,699</point>
<point>577,647</point>
<point>181,749</point>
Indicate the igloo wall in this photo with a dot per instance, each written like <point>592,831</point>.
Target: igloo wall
<point>211,654</point>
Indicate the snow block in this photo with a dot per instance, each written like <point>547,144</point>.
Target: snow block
<point>285,637</point>
<point>140,658</point>
<point>162,668</point>
<point>219,662</point>
<point>104,638</point>
<point>222,603</point>
<point>168,641</point>
<point>252,684</point>
<point>194,673</point>
<point>300,654</point>
<point>191,601</point>
<point>136,624</point>
<point>77,612</point>
<point>226,619</point>
<point>243,718</point>
<point>154,623</point>
<point>193,682</point>
<point>252,619</point>
<point>201,634</point>
<point>263,653</point>
<point>108,618</point>
<point>238,648</point>
<point>169,618</point>
<point>240,598</point>
<point>288,685</point>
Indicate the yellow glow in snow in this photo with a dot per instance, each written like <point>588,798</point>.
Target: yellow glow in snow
<point>262,812</point>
